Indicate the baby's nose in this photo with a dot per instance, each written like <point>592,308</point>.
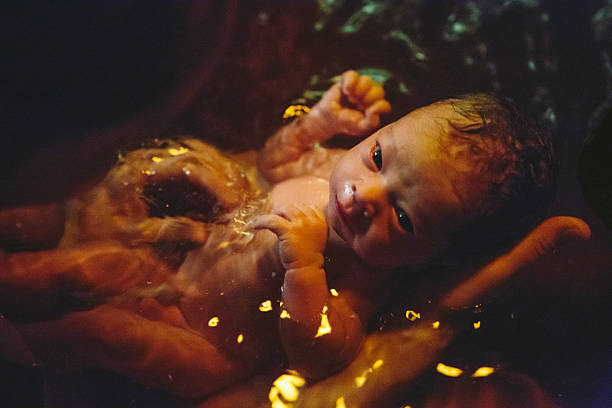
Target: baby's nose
<point>368,197</point>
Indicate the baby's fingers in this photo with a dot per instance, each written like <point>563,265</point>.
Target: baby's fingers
<point>349,81</point>
<point>375,93</point>
<point>371,120</point>
<point>379,107</point>
<point>272,222</point>
<point>331,98</point>
<point>314,211</point>
<point>363,85</point>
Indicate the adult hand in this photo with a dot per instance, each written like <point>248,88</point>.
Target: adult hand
<point>159,350</point>
<point>389,361</point>
<point>79,308</point>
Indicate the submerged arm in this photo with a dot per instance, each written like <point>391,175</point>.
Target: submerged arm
<point>320,333</point>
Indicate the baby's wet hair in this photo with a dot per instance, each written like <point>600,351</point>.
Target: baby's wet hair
<point>513,159</point>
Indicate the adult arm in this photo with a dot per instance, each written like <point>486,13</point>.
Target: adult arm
<point>390,361</point>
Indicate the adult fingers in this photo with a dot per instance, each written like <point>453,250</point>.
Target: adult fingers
<point>546,237</point>
<point>152,353</point>
<point>34,285</point>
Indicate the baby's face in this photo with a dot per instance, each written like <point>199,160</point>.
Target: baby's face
<point>395,197</point>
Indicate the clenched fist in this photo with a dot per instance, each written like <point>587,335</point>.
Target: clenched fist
<point>302,232</point>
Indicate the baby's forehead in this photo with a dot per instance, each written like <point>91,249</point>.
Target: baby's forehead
<point>428,121</point>
<point>440,119</point>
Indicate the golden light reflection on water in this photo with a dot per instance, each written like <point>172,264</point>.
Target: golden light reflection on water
<point>324,327</point>
<point>448,371</point>
<point>483,372</point>
<point>295,110</point>
<point>412,315</point>
<point>178,152</point>
<point>340,403</point>
<point>333,292</point>
<point>265,306</point>
<point>156,159</point>
<point>213,322</point>
<point>285,390</point>
<point>361,380</point>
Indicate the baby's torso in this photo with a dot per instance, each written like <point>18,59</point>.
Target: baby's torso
<point>231,293</point>
<point>230,288</point>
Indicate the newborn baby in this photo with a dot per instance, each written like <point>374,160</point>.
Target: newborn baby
<point>312,256</point>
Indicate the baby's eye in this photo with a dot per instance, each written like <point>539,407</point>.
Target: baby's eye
<point>404,220</point>
<point>377,156</point>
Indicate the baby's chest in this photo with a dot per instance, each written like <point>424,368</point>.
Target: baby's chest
<point>307,190</point>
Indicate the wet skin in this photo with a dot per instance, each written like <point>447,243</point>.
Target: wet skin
<point>392,199</point>
<point>389,201</point>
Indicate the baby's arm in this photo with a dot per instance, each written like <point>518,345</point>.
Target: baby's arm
<point>352,107</point>
<point>321,333</point>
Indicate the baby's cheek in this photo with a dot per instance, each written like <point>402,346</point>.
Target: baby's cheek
<point>377,253</point>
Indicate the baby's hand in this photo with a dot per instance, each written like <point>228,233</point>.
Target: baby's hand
<point>302,232</point>
<point>353,106</point>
